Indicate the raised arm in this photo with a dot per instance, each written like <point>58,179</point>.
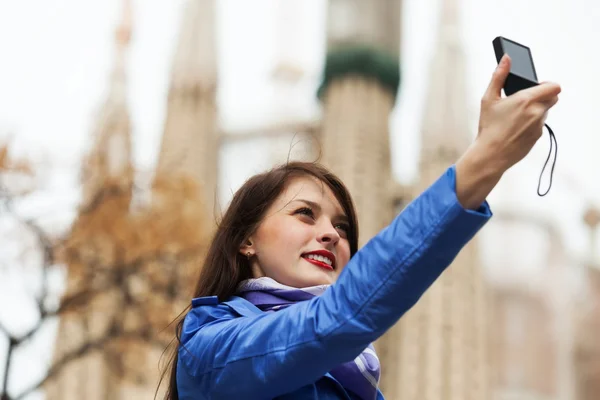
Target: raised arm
<point>508,129</point>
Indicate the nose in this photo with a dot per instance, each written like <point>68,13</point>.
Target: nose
<point>328,234</point>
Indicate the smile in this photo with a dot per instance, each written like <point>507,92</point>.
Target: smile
<point>321,258</point>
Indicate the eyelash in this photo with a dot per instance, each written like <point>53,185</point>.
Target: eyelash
<point>306,211</point>
<point>310,213</point>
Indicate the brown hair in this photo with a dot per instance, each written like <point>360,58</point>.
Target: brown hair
<point>224,266</point>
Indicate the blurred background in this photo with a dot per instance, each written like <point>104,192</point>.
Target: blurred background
<point>126,125</point>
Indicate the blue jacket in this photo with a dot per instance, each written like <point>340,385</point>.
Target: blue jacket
<point>232,350</point>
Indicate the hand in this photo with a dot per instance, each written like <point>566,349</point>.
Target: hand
<point>508,129</point>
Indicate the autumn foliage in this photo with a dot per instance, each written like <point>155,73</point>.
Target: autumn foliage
<point>135,267</point>
<point>131,271</point>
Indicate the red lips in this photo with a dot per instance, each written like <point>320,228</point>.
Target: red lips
<point>322,253</point>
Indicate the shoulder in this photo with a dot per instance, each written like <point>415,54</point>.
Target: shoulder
<point>208,321</point>
<point>208,309</point>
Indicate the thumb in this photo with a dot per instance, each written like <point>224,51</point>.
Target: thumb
<point>494,89</point>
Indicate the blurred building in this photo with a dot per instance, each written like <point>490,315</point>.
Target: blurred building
<point>108,166</point>
<point>441,345</point>
<point>587,321</point>
<point>523,346</point>
<point>587,349</point>
<point>130,263</point>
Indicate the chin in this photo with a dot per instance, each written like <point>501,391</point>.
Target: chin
<point>323,278</point>
<point>308,274</point>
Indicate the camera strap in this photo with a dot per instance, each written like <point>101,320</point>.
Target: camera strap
<point>554,145</point>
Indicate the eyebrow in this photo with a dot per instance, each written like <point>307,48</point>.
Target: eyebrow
<point>318,207</point>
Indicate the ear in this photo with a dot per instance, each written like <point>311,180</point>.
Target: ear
<point>247,247</point>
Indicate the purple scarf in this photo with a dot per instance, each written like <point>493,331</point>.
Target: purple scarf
<point>360,376</point>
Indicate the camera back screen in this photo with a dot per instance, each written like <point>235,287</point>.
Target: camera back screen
<point>522,63</point>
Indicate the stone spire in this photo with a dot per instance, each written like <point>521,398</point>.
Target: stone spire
<point>107,168</point>
<point>445,130</point>
<point>371,23</point>
<point>109,161</point>
<point>442,340</point>
<point>358,93</point>
<point>190,143</point>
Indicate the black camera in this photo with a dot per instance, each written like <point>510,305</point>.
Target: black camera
<point>522,71</point>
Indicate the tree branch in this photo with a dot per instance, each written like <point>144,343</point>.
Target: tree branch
<point>91,276</point>
<point>47,247</point>
<point>85,349</point>
<point>7,362</point>
<point>73,300</point>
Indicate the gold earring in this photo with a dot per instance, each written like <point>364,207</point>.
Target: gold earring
<point>248,255</point>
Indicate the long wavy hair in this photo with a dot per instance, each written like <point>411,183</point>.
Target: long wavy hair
<point>224,268</point>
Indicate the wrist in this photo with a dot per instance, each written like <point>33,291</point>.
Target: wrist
<point>477,173</point>
<point>484,159</point>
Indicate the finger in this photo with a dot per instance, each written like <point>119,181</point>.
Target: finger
<point>542,92</point>
<point>541,108</point>
<point>536,132</point>
<point>494,89</point>
<point>550,103</point>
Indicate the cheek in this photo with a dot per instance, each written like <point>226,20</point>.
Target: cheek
<point>297,236</point>
<point>283,236</point>
<point>344,254</point>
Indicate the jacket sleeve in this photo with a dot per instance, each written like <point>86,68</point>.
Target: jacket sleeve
<point>276,353</point>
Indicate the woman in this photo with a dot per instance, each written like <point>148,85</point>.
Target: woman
<point>287,307</point>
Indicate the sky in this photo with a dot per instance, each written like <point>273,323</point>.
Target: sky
<point>57,57</point>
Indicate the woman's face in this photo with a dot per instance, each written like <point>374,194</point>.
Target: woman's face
<point>302,240</point>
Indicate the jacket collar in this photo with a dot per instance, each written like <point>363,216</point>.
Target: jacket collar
<point>242,306</point>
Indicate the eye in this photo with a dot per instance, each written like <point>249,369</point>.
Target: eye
<point>344,228</point>
<point>305,211</point>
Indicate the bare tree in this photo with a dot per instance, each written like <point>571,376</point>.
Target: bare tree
<point>128,276</point>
